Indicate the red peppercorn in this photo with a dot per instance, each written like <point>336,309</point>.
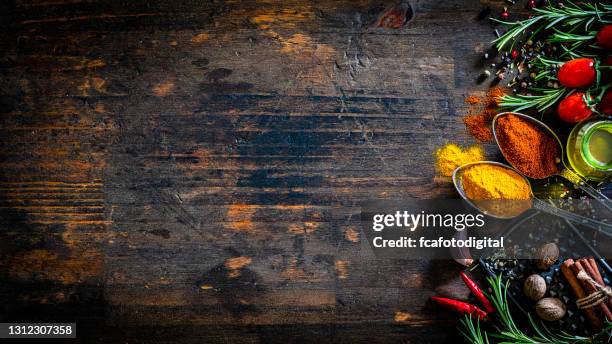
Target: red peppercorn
<point>514,54</point>
<point>531,4</point>
<point>504,15</point>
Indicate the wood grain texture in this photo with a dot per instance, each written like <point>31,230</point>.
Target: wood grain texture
<point>192,171</point>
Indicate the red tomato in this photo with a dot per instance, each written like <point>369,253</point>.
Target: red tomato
<point>577,73</point>
<point>605,105</point>
<point>604,37</point>
<point>573,109</point>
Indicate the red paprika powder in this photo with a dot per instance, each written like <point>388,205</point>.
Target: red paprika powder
<point>481,113</point>
<point>527,147</point>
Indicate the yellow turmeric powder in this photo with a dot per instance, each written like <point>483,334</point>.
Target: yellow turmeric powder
<point>486,181</point>
<point>451,156</point>
<point>488,185</point>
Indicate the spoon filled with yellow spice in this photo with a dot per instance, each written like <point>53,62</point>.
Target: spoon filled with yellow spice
<point>500,191</point>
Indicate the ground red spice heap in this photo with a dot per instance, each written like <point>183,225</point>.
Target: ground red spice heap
<point>481,113</point>
<point>527,147</point>
<point>472,100</point>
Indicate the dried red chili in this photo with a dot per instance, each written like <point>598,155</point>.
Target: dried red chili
<point>460,307</point>
<point>484,301</point>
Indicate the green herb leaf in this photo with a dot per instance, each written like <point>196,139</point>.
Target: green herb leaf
<point>508,332</point>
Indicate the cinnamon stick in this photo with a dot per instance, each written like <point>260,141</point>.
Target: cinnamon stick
<point>566,269</point>
<point>586,265</point>
<point>589,289</point>
<point>597,276</point>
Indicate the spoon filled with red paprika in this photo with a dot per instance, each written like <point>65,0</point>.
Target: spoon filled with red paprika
<point>534,149</point>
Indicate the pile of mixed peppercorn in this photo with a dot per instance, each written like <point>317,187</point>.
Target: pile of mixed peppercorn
<point>559,55</point>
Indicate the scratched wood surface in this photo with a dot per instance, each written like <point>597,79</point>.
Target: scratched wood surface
<point>191,170</point>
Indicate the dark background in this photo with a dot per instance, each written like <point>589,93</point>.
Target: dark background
<point>190,171</point>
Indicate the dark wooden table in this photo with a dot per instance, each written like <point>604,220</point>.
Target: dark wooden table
<point>191,170</point>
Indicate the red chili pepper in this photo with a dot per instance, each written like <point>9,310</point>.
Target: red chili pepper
<point>478,293</point>
<point>460,307</point>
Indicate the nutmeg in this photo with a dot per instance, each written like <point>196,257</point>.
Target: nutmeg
<point>546,256</point>
<point>550,309</point>
<point>534,287</point>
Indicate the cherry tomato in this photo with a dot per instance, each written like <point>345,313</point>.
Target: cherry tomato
<point>605,105</point>
<point>604,37</point>
<point>573,109</point>
<point>577,73</point>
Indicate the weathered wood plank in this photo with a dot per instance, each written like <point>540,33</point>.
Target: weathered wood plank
<point>198,166</point>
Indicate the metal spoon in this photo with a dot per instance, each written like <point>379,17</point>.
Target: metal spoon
<point>563,170</point>
<point>522,206</point>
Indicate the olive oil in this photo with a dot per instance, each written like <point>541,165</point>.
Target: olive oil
<point>589,149</point>
<point>599,144</point>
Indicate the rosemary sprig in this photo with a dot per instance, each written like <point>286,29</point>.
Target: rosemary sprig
<point>472,331</point>
<point>573,52</point>
<point>541,102</point>
<point>547,17</point>
<point>563,37</point>
<point>515,30</point>
<point>509,332</point>
<point>542,62</point>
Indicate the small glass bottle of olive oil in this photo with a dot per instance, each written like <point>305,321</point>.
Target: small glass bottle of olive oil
<point>589,149</point>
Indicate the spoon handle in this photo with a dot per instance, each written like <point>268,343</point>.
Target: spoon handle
<point>599,226</point>
<point>586,187</point>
